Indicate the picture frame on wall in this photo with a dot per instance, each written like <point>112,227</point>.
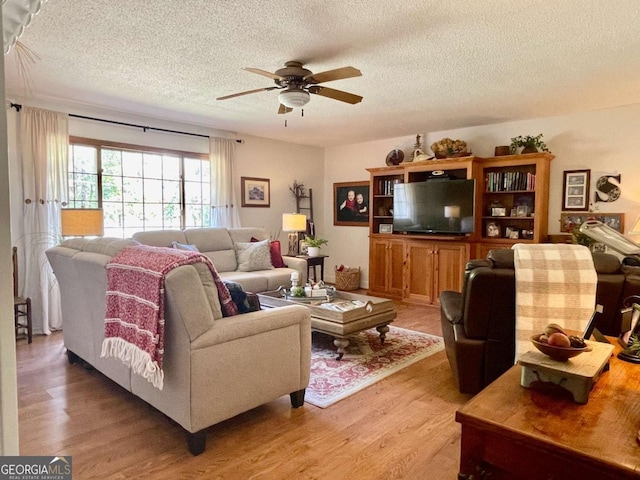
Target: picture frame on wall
<point>575,190</point>
<point>569,221</point>
<point>256,192</point>
<point>351,204</point>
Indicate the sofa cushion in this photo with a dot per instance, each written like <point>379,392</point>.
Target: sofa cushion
<point>276,254</point>
<point>160,238</point>
<point>250,281</point>
<point>104,245</point>
<point>209,239</point>
<point>253,256</point>
<point>244,234</point>
<point>185,246</point>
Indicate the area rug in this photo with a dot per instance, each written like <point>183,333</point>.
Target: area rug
<point>365,362</point>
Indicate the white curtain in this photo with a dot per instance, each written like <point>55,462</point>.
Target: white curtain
<point>44,147</point>
<point>224,203</point>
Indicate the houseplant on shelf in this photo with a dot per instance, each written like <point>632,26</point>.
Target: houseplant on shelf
<point>528,143</point>
<point>314,243</point>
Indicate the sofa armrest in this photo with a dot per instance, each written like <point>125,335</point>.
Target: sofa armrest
<point>254,323</point>
<point>299,264</point>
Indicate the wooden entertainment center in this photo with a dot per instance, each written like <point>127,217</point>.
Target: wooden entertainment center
<point>511,206</point>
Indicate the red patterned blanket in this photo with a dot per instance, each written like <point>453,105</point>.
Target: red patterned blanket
<point>134,317</point>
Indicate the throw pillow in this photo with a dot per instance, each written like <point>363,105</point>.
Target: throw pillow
<point>185,246</point>
<point>253,256</point>
<point>239,296</point>
<point>276,254</point>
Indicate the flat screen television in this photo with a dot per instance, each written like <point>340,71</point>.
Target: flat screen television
<point>438,206</point>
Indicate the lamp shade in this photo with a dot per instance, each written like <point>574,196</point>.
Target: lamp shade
<point>82,222</point>
<point>294,98</point>
<point>451,211</point>
<point>294,222</point>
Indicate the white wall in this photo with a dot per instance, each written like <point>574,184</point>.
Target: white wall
<point>602,141</point>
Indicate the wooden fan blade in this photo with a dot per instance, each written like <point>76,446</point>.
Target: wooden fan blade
<point>336,94</point>
<point>246,93</point>
<point>284,109</point>
<point>264,73</point>
<point>330,75</point>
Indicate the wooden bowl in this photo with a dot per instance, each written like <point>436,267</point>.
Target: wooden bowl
<point>561,354</point>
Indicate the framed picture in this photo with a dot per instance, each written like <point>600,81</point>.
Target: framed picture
<point>498,211</point>
<point>255,192</point>
<point>522,211</point>
<point>351,203</point>
<point>512,232</point>
<point>303,248</point>
<point>385,228</point>
<point>569,221</point>
<point>493,230</point>
<point>575,190</point>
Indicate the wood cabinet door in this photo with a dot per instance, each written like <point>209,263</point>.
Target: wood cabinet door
<point>419,286</point>
<point>378,253</point>
<point>395,267</point>
<point>449,269</point>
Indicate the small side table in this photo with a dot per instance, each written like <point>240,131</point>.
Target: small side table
<point>312,262</point>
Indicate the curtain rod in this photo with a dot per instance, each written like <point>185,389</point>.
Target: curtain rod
<point>144,128</point>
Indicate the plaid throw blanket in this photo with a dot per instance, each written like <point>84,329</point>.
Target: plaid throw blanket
<point>134,318</point>
<point>554,283</point>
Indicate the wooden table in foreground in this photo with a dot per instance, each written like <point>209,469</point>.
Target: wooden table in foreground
<point>512,432</point>
<point>376,312</point>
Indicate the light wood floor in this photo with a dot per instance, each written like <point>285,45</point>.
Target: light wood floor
<point>400,428</point>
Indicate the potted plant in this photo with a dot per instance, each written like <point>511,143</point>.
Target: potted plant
<point>314,244</point>
<point>528,143</point>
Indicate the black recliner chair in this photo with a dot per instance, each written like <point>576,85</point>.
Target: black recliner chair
<point>478,324</point>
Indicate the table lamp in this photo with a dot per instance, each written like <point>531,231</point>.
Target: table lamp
<point>82,222</point>
<point>293,223</point>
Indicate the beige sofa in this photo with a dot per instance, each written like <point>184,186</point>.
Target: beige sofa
<point>218,245</point>
<point>214,367</point>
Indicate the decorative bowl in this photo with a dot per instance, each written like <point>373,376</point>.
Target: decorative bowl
<point>561,354</point>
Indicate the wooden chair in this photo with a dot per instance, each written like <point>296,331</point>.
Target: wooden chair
<point>21,305</point>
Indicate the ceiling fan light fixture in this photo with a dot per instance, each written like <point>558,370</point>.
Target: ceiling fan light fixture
<point>294,98</point>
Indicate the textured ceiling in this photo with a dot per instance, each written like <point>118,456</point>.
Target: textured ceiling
<point>427,65</point>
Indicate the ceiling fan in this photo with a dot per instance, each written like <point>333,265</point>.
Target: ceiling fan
<point>297,83</point>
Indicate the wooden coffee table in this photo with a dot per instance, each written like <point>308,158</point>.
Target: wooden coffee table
<point>509,431</point>
<point>375,312</point>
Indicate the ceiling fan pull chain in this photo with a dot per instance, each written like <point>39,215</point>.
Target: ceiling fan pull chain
<point>285,123</point>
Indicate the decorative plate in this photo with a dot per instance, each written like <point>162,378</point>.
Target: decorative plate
<point>395,157</point>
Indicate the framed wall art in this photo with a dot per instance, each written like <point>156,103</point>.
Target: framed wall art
<point>255,192</point>
<point>351,203</point>
<point>569,221</point>
<point>575,190</point>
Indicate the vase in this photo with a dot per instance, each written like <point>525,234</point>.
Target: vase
<point>313,251</point>
<point>529,149</point>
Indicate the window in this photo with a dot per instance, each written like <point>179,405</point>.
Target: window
<point>139,188</point>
